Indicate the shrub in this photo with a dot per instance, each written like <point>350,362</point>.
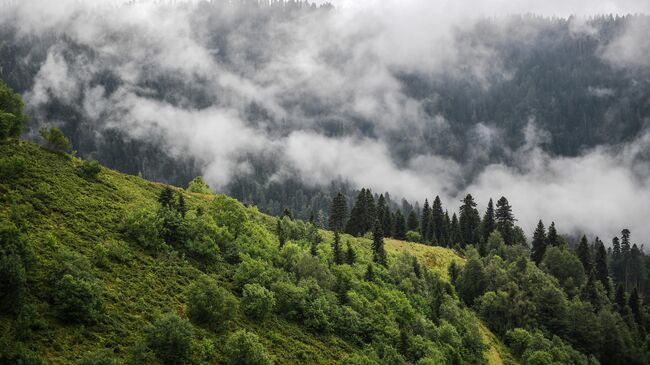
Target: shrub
<point>11,168</point>
<point>258,301</point>
<point>203,234</point>
<point>101,357</point>
<point>244,348</point>
<point>317,315</point>
<point>77,299</point>
<point>14,256</point>
<point>170,338</point>
<point>209,304</point>
<point>413,236</point>
<point>55,140</point>
<point>290,299</point>
<point>197,185</point>
<point>358,359</point>
<point>12,117</point>
<point>90,169</point>
<point>143,227</point>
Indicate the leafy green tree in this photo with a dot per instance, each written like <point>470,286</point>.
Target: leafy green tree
<point>77,299</point>
<point>336,249</point>
<point>505,220</point>
<point>413,236</point>
<point>565,267</point>
<point>12,117</point>
<point>198,185</point>
<point>55,140</point>
<point>378,252</point>
<point>488,224</point>
<point>338,212</point>
<point>257,301</point>
<point>584,254</point>
<point>469,222</point>
<point>539,243</point>
<point>170,338</point>
<point>279,231</point>
<point>245,348</point>
<point>472,281</point>
<point>210,305</point>
<point>90,169</point>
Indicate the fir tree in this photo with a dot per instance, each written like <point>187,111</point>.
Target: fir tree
<point>584,254</point>
<point>400,228</point>
<point>635,305</point>
<point>446,231</point>
<point>381,210</point>
<point>287,213</point>
<point>437,220</point>
<point>505,220</point>
<point>488,224</point>
<point>279,230</point>
<point>424,220</point>
<point>600,265</point>
<point>539,243</point>
<point>552,238</point>
<point>378,252</point>
<point>412,222</point>
<point>182,207</point>
<point>166,198</point>
<point>469,221</point>
<point>620,298</point>
<point>454,231</point>
<point>350,256</point>
<point>370,274</point>
<point>616,248</point>
<point>336,249</point>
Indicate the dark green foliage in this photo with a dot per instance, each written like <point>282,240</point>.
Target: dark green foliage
<point>14,259</point>
<point>600,266</point>
<point>244,348</point>
<point>12,117</point>
<point>454,271</point>
<point>11,168</point>
<point>565,267</point>
<point>337,254</point>
<point>370,273</point>
<point>488,224</point>
<point>413,236</point>
<point>350,255</point>
<point>437,222</point>
<point>472,281</point>
<point>90,169</point>
<point>166,198</point>
<point>182,207</point>
<point>197,185</point>
<point>363,214</point>
<point>552,238</point>
<point>210,305</point>
<point>143,227</point>
<point>584,254</point>
<point>469,222</point>
<point>257,301</point>
<point>399,230</point>
<point>378,252</point>
<point>170,338</point>
<point>55,140</point>
<point>279,231</point>
<point>505,221</point>
<point>424,220</point>
<point>101,357</point>
<point>455,235</point>
<point>338,213</point>
<point>412,221</point>
<point>635,306</point>
<point>77,299</point>
<point>539,244</point>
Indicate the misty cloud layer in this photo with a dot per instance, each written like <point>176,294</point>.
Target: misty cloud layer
<point>328,101</point>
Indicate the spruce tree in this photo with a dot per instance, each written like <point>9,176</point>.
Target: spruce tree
<point>625,242</point>
<point>338,212</point>
<point>182,206</point>
<point>552,238</point>
<point>400,228</point>
<point>355,223</point>
<point>279,230</point>
<point>166,198</point>
<point>600,266</point>
<point>635,305</point>
<point>584,254</point>
<point>539,243</point>
<point>454,231</point>
<point>336,249</point>
<point>369,211</point>
<point>616,248</point>
<point>446,231</point>
<point>380,211</point>
<point>412,222</point>
<point>469,221</point>
<point>350,256</point>
<point>424,220</point>
<point>370,274</point>
<point>620,298</point>
<point>378,252</point>
<point>505,220</point>
<point>488,224</point>
<point>437,220</point>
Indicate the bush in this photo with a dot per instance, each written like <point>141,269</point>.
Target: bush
<point>12,117</point>
<point>358,359</point>
<point>258,301</point>
<point>14,256</point>
<point>77,299</point>
<point>170,338</point>
<point>203,234</point>
<point>55,140</point>
<point>90,169</point>
<point>413,236</point>
<point>197,185</point>
<point>101,357</point>
<point>317,315</point>
<point>143,227</point>
<point>209,304</point>
<point>290,299</point>
<point>11,168</point>
<point>244,348</point>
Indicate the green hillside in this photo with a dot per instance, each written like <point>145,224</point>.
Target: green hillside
<point>72,222</point>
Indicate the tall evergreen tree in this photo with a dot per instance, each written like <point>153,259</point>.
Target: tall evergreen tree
<point>437,220</point>
<point>505,221</point>
<point>336,249</point>
<point>369,211</point>
<point>552,238</point>
<point>338,212</point>
<point>620,298</point>
<point>424,220</point>
<point>378,252</point>
<point>488,224</point>
<point>166,198</point>
<point>279,230</point>
<point>600,266</point>
<point>625,242</point>
<point>412,222</point>
<point>356,224</point>
<point>381,209</point>
<point>469,221</point>
<point>400,227</point>
<point>616,248</point>
<point>539,243</point>
<point>584,254</point>
<point>350,256</point>
<point>182,206</point>
<point>455,235</point>
<point>370,274</point>
<point>635,305</point>
<point>446,231</point>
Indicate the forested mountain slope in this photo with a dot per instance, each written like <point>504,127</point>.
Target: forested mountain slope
<point>102,266</point>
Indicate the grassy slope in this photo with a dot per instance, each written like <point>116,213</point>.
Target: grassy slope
<point>70,212</point>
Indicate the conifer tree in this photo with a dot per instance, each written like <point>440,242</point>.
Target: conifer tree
<point>166,198</point>
<point>412,222</point>
<point>469,221</point>
<point>446,231</point>
<point>378,252</point>
<point>635,305</point>
<point>280,232</point>
<point>338,212</point>
<point>625,242</point>
<point>584,254</point>
<point>454,234</point>
<point>287,213</point>
<point>600,265</point>
<point>437,220</point>
<point>400,228</point>
<point>552,238</point>
<point>620,298</point>
<point>350,256</point>
<point>369,211</point>
<point>424,220</point>
<point>381,210</point>
<point>505,220</point>
<point>182,207</point>
<point>370,274</point>
<point>417,269</point>
<point>488,224</point>
<point>616,248</point>
<point>539,243</point>
<point>336,249</point>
